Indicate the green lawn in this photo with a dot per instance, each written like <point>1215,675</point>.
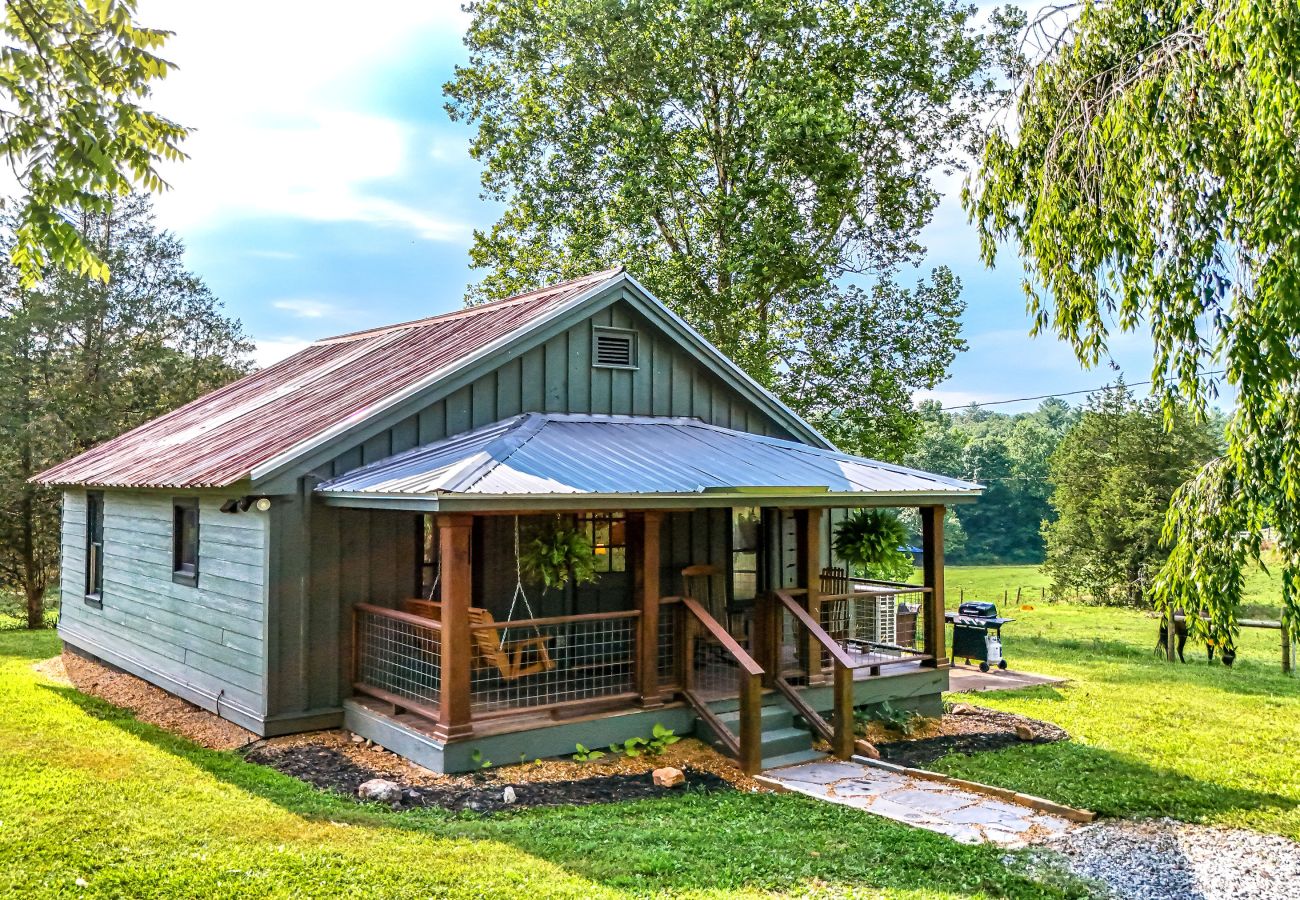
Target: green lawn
<point>90,793</point>
<point>1195,741</point>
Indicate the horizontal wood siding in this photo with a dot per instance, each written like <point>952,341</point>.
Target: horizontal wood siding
<point>209,638</point>
<point>557,376</point>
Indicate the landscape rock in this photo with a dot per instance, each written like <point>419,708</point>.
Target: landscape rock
<point>380,790</point>
<point>508,795</point>
<point>356,738</point>
<point>963,709</point>
<point>1024,732</point>
<point>668,777</point>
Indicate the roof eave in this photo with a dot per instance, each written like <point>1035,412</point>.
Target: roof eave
<point>497,503</point>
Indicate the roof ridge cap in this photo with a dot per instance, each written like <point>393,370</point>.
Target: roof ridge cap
<point>513,300</point>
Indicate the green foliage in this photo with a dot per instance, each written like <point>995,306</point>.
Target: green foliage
<point>83,360</point>
<point>1008,454</point>
<point>1150,182</point>
<point>73,75</point>
<point>631,748</point>
<point>583,754</point>
<point>476,757</point>
<point>661,738</point>
<point>894,718</point>
<point>1114,476</point>
<point>555,552</point>
<point>740,157</point>
<point>871,542</point>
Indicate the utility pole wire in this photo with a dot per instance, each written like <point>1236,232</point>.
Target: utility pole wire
<point>1104,387</point>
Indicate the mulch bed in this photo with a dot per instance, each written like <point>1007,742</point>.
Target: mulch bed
<point>327,768</point>
<point>966,730</point>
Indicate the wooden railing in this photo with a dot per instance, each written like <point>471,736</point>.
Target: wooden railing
<point>397,658</point>
<point>700,635</point>
<point>838,734</point>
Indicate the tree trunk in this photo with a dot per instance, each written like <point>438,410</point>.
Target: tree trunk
<point>35,607</point>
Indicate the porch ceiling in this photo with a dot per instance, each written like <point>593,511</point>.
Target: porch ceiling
<point>552,461</point>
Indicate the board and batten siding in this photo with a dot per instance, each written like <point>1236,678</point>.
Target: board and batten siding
<point>557,376</point>
<point>203,643</point>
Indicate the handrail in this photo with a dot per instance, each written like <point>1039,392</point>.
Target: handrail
<point>831,645</point>
<point>902,586</point>
<point>722,637</point>
<point>398,615</point>
<point>556,620</point>
<point>747,746</point>
<point>840,735</point>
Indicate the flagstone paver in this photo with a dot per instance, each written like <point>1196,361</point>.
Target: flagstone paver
<point>964,815</point>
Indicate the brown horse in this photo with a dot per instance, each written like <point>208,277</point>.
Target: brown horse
<point>1227,653</point>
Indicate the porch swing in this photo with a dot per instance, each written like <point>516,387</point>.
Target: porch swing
<point>493,648</point>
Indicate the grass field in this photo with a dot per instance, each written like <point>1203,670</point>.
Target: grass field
<point>89,793</point>
<point>1198,742</point>
<point>1263,590</point>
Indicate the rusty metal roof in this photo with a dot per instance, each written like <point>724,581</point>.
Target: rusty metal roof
<point>331,385</point>
<point>554,454</point>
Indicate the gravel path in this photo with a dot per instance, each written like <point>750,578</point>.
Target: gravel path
<point>1160,859</point>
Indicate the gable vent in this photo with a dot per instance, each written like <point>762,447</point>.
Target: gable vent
<point>614,348</point>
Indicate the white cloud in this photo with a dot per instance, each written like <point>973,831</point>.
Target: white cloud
<point>271,90</point>
<point>272,350</point>
<point>307,308</point>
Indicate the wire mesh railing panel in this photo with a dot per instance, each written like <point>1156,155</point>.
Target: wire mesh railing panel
<point>715,673</point>
<point>398,656</point>
<point>669,635</point>
<point>526,666</point>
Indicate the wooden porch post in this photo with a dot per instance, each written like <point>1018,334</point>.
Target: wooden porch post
<point>808,524</point>
<point>453,705</point>
<point>935,627</point>
<point>643,544</point>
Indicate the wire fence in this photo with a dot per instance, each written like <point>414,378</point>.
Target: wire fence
<point>398,655</point>
<point>547,662</point>
<point>670,615</point>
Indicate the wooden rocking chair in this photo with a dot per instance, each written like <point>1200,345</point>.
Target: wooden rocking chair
<point>512,659</point>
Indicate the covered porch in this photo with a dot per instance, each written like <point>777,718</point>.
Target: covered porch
<point>722,611</point>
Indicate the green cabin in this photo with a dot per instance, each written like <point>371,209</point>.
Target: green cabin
<point>350,538</point>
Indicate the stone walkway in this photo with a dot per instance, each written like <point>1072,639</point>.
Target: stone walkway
<point>963,815</point>
<point>968,679</point>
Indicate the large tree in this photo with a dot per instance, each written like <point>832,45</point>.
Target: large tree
<point>745,159</point>
<point>1149,175</point>
<point>82,360</point>
<point>73,77</point>
<point>1113,477</point>
<point>1009,455</point>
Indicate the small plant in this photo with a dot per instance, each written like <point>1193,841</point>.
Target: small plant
<point>476,757</point>
<point>585,755</point>
<point>903,721</point>
<point>660,738</point>
<point>632,746</point>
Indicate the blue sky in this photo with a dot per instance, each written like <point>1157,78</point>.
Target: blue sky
<point>327,191</point>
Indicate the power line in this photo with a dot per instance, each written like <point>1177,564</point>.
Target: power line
<point>1059,394</point>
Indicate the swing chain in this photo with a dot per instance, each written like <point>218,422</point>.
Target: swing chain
<point>519,594</point>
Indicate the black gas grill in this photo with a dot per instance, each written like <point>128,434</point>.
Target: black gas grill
<point>977,634</point>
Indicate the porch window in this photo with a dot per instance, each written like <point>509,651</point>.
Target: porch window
<point>744,552</point>
<point>606,534</point>
<point>185,541</point>
<point>95,549</point>
<point>426,557</point>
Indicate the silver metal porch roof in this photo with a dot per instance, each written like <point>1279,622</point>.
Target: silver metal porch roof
<point>537,455</point>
